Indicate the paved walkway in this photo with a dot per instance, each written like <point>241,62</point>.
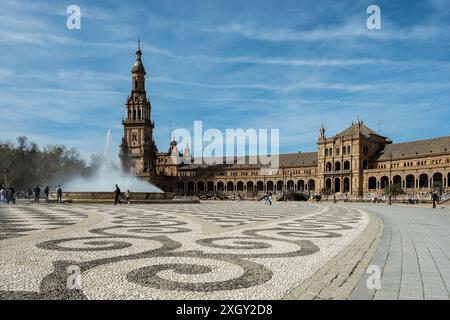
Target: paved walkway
<point>212,250</point>
<point>413,254</point>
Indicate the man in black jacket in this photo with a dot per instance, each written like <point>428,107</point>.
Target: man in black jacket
<point>11,195</point>
<point>59,194</point>
<point>46,193</point>
<point>434,198</point>
<point>37,194</point>
<point>117,195</point>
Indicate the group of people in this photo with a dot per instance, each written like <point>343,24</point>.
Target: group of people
<point>9,194</point>
<point>268,199</point>
<point>117,194</point>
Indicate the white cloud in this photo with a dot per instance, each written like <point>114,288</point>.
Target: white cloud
<point>355,28</point>
<point>318,62</point>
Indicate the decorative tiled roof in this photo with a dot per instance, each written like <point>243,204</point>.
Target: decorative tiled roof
<point>301,159</point>
<point>365,130</point>
<point>306,159</point>
<point>416,148</point>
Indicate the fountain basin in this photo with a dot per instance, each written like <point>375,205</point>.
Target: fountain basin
<point>108,197</point>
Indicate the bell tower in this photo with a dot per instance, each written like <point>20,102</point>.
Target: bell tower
<point>138,150</point>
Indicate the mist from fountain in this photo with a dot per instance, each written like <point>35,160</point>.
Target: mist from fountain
<point>108,175</point>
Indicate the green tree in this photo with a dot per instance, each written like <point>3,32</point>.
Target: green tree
<point>395,190</point>
<point>24,164</point>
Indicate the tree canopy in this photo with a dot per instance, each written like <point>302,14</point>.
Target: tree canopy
<point>24,164</point>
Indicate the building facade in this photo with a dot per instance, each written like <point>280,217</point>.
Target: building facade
<point>355,163</point>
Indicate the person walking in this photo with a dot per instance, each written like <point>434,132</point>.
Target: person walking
<point>270,198</point>
<point>127,197</point>
<point>2,194</point>
<point>29,195</point>
<point>46,193</point>
<point>59,194</point>
<point>37,194</point>
<point>117,195</point>
<point>11,195</point>
<point>434,198</point>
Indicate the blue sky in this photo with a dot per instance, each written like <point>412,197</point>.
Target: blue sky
<point>232,64</point>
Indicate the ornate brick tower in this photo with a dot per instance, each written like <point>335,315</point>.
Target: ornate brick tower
<point>138,150</point>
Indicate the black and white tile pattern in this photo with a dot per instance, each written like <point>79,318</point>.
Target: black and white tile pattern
<point>163,251</point>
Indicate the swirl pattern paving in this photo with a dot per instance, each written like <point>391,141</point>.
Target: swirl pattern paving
<point>214,250</point>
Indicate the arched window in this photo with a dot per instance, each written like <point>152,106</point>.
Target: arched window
<point>372,183</point>
<point>290,185</point>
<point>384,182</point>
<point>311,185</point>
<point>280,185</point>
<point>423,180</point>
<point>337,185</point>
<point>337,166</point>
<point>346,184</point>
<point>347,165</point>
<point>260,186</point>
<point>328,184</point>
<point>437,180</point>
<point>397,180</point>
<point>410,181</point>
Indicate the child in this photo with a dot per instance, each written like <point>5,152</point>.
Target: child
<point>127,197</point>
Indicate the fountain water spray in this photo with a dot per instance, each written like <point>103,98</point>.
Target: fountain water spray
<point>108,175</point>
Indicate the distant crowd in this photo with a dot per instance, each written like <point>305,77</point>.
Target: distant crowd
<point>10,195</point>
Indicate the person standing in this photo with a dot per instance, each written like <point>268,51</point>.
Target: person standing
<point>2,194</point>
<point>37,194</point>
<point>434,198</point>
<point>127,197</point>
<point>46,192</point>
<point>117,195</point>
<point>12,195</point>
<point>270,198</point>
<point>59,194</point>
<point>29,195</point>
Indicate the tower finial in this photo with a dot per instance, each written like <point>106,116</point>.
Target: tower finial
<point>139,43</point>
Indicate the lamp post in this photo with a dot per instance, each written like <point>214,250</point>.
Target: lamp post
<point>390,178</point>
<point>309,187</point>
<point>333,189</point>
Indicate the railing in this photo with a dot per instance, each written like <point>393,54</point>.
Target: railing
<point>336,172</point>
<point>444,197</point>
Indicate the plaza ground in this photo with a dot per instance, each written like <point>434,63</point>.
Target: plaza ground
<point>223,250</point>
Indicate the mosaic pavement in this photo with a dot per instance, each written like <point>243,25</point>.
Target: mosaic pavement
<point>212,250</point>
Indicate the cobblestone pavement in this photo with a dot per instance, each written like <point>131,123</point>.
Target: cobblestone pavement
<point>16,221</point>
<point>413,254</point>
<point>212,250</point>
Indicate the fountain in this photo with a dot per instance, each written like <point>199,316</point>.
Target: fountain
<point>99,188</point>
